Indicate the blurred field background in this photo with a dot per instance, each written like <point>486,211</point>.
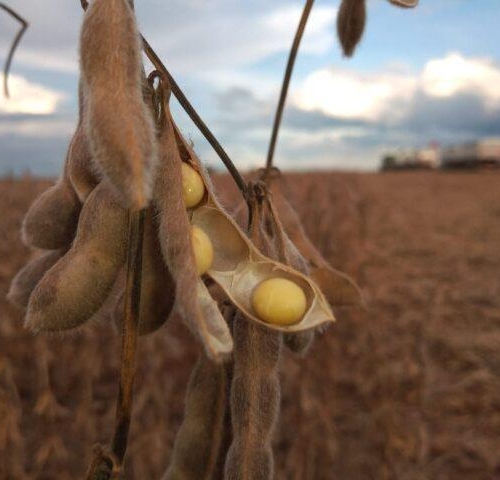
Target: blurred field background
<point>408,389</point>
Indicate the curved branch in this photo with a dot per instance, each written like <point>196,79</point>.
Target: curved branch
<point>15,43</point>
<point>286,82</point>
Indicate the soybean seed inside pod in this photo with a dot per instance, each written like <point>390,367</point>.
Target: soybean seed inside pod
<point>279,301</point>
<point>192,185</point>
<point>203,250</point>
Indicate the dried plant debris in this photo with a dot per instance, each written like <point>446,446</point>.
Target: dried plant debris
<point>351,21</point>
<point>28,277</point>
<point>118,121</point>
<point>201,433</point>
<point>79,283</point>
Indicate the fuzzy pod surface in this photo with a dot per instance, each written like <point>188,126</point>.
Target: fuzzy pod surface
<point>118,121</point>
<point>51,221</point>
<point>351,22</point>
<point>198,441</point>
<point>81,173</point>
<point>157,284</point>
<point>255,387</point>
<point>79,283</point>
<point>200,313</point>
<point>28,277</point>
<point>255,399</point>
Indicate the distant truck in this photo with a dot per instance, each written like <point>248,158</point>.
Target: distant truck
<point>417,159</point>
<point>481,153</point>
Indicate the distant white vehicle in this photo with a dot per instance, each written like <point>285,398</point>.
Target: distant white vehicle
<point>424,158</point>
<point>484,152</point>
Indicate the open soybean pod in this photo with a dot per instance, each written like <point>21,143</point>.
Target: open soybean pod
<point>75,288</point>
<point>193,301</point>
<point>339,289</point>
<point>118,120</point>
<point>238,266</point>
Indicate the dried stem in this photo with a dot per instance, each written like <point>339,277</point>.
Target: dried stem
<point>190,110</point>
<point>130,333</point>
<point>286,82</point>
<point>15,43</point>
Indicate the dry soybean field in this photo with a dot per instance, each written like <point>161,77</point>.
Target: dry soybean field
<point>407,389</point>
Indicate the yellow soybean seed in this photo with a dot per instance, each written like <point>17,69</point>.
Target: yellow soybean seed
<point>192,185</point>
<point>203,250</point>
<point>279,301</point>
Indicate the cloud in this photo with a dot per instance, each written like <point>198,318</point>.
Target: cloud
<point>455,74</point>
<point>390,97</point>
<point>353,95</point>
<point>343,117</point>
<point>29,98</point>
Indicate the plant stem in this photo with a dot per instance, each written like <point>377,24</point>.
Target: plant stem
<point>130,333</point>
<point>190,110</point>
<point>15,43</point>
<point>197,120</point>
<point>286,82</point>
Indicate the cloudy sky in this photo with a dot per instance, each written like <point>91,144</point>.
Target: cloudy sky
<point>429,74</point>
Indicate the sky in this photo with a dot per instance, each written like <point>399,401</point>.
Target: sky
<point>421,75</point>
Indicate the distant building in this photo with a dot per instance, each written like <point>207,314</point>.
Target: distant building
<point>484,152</point>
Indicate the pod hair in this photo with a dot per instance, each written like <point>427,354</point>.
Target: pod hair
<point>351,21</point>
<point>80,168</point>
<point>78,284</point>
<point>157,284</point>
<point>202,316</point>
<point>51,221</point>
<point>28,277</point>
<point>202,429</point>
<point>118,120</point>
<point>255,387</point>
